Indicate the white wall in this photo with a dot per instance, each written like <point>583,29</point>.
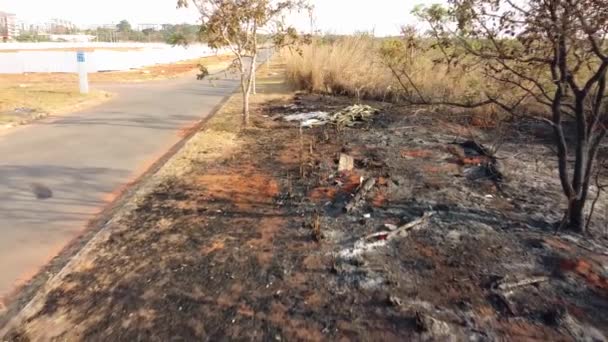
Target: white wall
<point>18,58</point>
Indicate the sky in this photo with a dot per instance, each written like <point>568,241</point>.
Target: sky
<point>384,17</point>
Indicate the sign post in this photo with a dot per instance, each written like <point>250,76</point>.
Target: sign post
<point>82,72</point>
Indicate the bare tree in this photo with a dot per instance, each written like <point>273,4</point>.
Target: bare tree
<point>239,25</point>
<point>551,53</point>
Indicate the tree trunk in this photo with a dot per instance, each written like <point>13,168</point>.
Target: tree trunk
<point>577,188</point>
<point>581,179</point>
<point>247,82</point>
<point>253,77</point>
<point>245,90</point>
<point>246,109</point>
<point>576,219</point>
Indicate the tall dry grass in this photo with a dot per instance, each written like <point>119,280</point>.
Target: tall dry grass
<point>354,66</point>
<point>348,66</point>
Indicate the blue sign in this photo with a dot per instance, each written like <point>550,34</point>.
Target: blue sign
<point>80,56</point>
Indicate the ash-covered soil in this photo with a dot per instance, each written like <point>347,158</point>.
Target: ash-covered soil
<point>259,244</point>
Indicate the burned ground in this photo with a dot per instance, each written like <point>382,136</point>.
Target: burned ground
<point>257,244</point>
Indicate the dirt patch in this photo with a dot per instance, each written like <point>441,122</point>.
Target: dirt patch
<point>244,190</point>
<point>22,105</point>
<point>323,194</point>
<point>416,153</point>
<point>163,71</point>
<point>342,186</point>
<point>589,271</point>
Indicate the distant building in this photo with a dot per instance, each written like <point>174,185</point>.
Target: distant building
<point>29,27</point>
<point>155,27</point>
<point>8,26</point>
<point>60,26</point>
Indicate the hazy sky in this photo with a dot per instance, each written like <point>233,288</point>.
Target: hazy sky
<point>337,16</point>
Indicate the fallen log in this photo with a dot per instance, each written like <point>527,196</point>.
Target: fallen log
<point>502,290</point>
<point>508,287</point>
<point>359,198</point>
<point>371,241</point>
<point>400,231</point>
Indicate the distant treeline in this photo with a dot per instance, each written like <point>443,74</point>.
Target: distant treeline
<point>179,34</point>
<point>175,34</point>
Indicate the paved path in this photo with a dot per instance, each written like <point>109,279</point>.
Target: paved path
<point>82,159</point>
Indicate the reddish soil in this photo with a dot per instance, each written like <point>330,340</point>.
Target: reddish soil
<point>230,251</point>
<point>244,188</point>
<point>589,271</point>
<point>416,153</point>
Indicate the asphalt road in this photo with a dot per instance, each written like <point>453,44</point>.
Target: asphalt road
<point>55,175</point>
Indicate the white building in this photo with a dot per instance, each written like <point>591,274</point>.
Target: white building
<point>8,26</point>
<point>156,27</point>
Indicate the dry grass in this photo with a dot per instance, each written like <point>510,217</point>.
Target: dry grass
<point>21,104</point>
<point>353,66</point>
<point>347,67</point>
